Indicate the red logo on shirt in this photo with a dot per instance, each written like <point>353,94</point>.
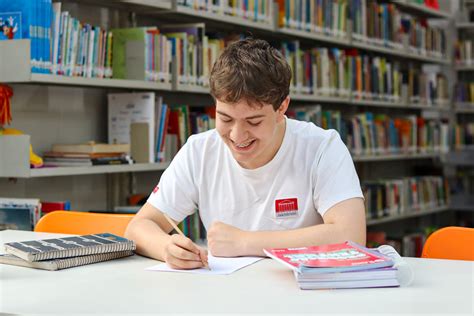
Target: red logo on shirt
<point>286,207</point>
<point>155,189</point>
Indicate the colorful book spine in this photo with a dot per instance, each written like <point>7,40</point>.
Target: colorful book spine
<point>395,197</point>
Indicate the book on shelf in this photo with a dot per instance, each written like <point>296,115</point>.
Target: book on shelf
<point>65,247</point>
<point>253,10</point>
<point>59,264</point>
<point>29,19</point>
<point>19,214</point>
<point>126,109</point>
<point>187,48</point>
<point>395,197</point>
<point>342,265</point>
<point>91,148</point>
<point>141,53</point>
<point>51,206</point>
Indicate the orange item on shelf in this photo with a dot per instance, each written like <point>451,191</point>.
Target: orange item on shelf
<point>6,92</point>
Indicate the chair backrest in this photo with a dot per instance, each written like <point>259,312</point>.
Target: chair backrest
<point>450,243</point>
<point>83,223</point>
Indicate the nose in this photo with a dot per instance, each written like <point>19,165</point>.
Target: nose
<point>238,133</point>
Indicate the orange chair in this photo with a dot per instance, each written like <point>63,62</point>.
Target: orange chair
<point>455,243</point>
<point>83,223</point>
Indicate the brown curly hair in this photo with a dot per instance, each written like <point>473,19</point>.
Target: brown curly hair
<point>251,70</point>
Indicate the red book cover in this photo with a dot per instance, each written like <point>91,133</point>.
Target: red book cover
<point>347,256</point>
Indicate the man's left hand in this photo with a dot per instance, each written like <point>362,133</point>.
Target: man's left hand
<point>226,241</point>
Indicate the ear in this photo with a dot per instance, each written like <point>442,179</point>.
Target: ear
<point>282,109</point>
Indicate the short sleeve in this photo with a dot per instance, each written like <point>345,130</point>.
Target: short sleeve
<point>334,175</point>
<point>176,193</point>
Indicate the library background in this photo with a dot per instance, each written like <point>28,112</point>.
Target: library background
<point>97,96</point>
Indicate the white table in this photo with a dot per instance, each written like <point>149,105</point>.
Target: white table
<point>123,286</point>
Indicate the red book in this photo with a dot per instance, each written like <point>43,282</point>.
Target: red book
<point>342,257</point>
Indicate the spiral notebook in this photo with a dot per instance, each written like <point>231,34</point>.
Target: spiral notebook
<point>65,247</point>
<point>59,264</point>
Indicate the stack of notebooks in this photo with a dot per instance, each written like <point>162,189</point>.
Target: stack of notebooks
<point>67,252</point>
<point>337,266</point>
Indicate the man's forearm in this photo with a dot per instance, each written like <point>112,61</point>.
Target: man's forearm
<point>149,238</point>
<point>316,235</point>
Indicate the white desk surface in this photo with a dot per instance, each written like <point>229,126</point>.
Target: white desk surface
<point>123,286</point>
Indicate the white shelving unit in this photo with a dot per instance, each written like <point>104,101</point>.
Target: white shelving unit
<point>15,68</point>
<point>74,171</point>
<point>396,157</point>
<point>465,25</point>
<point>409,214</point>
<point>228,19</point>
<point>464,108</point>
<point>418,9</point>
<point>464,67</point>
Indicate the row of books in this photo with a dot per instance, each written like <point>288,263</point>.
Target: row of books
<point>193,228</point>
<point>463,135</point>
<point>252,10</point>
<point>364,133</point>
<point>386,198</point>
<point>144,121</point>
<point>372,21</point>
<point>60,43</point>
<point>146,53</point>
<point>424,38</point>
<point>322,16</point>
<point>377,23</point>
<point>29,19</point>
<point>79,49</point>
<point>373,134</point>
<point>463,52</point>
<point>339,72</point>
<point>464,92</point>
<point>410,244</point>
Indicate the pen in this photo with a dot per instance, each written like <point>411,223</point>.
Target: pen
<point>176,228</point>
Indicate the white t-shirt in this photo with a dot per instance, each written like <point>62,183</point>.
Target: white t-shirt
<point>311,172</point>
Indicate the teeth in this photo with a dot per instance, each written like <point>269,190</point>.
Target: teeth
<point>244,145</point>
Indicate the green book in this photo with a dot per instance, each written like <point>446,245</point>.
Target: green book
<point>129,52</point>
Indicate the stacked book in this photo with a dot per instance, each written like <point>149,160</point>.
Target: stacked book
<point>337,266</point>
<point>86,155</point>
<point>66,252</point>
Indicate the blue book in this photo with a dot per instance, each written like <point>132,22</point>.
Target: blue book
<point>19,20</point>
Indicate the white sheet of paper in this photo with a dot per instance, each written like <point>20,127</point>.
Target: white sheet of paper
<point>218,265</point>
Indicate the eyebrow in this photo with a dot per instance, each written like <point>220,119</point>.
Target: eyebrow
<point>247,118</point>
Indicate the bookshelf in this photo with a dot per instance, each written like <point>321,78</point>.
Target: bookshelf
<point>459,162</point>
<point>421,10</point>
<point>408,214</point>
<point>9,50</point>
<point>73,171</point>
<point>15,69</point>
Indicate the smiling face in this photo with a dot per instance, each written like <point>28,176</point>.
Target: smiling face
<point>253,133</point>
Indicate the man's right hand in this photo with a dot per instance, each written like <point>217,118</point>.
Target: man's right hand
<point>182,253</point>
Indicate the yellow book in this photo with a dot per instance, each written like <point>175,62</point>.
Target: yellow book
<point>91,148</point>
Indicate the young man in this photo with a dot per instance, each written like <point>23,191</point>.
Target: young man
<point>259,180</point>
